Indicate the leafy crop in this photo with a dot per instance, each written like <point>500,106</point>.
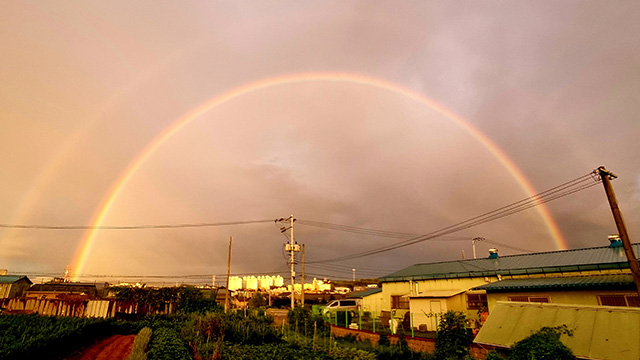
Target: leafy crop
<point>166,344</point>
<point>33,336</point>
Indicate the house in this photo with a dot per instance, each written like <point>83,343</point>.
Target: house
<point>371,299</point>
<point>12,286</point>
<point>589,276</point>
<point>597,332</point>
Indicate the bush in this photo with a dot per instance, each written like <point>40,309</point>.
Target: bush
<point>306,323</point>
<point>140,345</point>
<point>453,337</point>
<point>492,355</point>
<point>543,345</point>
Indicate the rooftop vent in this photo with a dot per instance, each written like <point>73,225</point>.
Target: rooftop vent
<point>614,241</point>
<point>493,253</point>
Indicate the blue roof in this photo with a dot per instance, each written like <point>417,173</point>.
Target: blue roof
<point>596,258</point>
<point>10,279</point>
<point>617,281</point>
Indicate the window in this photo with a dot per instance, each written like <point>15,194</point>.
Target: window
<point>525,298</point>
<point>347,303</point>
<point>476,301</point>
<point>399,302</point>
<point>619,300</point>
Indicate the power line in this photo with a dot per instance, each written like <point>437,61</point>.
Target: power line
<point>132,227</point>
<point>554,193</point>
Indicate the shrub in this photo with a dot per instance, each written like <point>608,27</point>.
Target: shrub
<point>453,337</point>
<point>545,344</point>
<point>306,323</point>
<point>140,345</point>
<point>492,355</point>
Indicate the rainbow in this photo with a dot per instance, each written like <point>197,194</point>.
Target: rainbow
<point>86,244</point>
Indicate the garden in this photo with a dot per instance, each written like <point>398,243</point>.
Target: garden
<point>202,330</point>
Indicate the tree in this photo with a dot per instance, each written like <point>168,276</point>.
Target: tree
<point>453,337</point>
<point>543,345</point>
<point>257,300</point>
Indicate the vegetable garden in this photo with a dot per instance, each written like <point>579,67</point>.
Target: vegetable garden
<point>246,334</point>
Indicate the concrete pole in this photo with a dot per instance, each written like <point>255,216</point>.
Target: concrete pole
<point>227,296</point>
<point>293,268</point>
<point>302,279</point>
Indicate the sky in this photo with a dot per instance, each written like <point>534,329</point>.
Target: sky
<point>406,117</point>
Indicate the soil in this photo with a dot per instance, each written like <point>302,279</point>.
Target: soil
<point>116,347</point>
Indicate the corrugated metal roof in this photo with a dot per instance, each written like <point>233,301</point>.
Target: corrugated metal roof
<point>597,258</point>
<point>583,282</point>
<point>10,279</point>
<point>437,294</point>
<point>363,293</point>
<point>599,332</point>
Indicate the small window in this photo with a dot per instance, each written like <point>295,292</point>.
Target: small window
<point>524,298</point>
<point>619,300</point>
<point>348,303</point>
<point>399,302</point>
<point>633,300</point>
<point>539,299</point>
<point>476,301</point>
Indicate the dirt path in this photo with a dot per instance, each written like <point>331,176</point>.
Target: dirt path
<point>116,347</point>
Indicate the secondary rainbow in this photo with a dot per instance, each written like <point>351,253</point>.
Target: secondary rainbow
<point>84,249</point>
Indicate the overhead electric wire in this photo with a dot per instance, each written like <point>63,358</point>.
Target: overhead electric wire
<point>133,227</point>
<point>554,193</point>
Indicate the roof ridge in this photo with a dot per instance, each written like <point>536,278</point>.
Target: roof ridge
<point>518,255</point>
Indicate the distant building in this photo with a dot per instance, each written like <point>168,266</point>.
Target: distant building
<point>235,283</point>
<point>255,282</point>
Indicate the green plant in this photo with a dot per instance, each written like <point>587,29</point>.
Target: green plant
<point>166,344</point>
<point>453,337</point>
<point>383,340</point>
<point>34,336</point>
<point>492,355</point>
<point>257,300</point>
<point>138,352</point>
<point>544,344</point>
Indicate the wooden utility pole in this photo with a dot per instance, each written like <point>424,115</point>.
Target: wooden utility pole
<point>226,298</point>
<point>606,176</point>
<point>302,279</point>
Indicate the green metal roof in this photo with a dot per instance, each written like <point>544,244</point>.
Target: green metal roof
<point>559,283</point>
<point>596,258</point>
<point>599,332</point>
<point>363,293</point>
<point>10,279</point>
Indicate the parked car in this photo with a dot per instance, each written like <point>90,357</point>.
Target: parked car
<point>352,305</point>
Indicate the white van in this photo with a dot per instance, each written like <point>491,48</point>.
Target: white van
<point>342,305</point>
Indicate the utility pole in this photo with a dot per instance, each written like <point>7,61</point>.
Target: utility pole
<point>473,244</point>
<point>292,248</point>
<point>606,177</point>
<point>302,279</point>
<point>226,298</point>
